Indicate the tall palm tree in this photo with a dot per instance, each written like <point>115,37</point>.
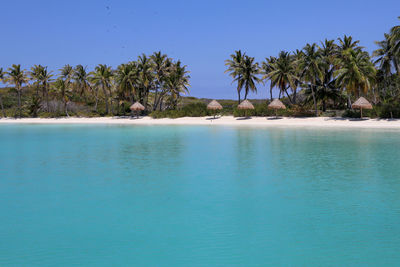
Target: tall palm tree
<point>126,77</point>
<point>45,78</point>
<point>234,64</point>
<point>385,57</point>
<point>249,71</point>
<point>161,65</point>
<point>145,78</point>
<point>101,77</point>
<point>325,89</point>
<point>35,76</point>
<point>81,79</point>
<point>177,83</point>
<point>60,86</point>
<point>394,40</point>
<point>1,99</point>
<point>311,66</point>
<point>283,73</point>
<point>347,43</point>
<point>267,66</point>
<point>17,77</point>
<point>356,73</point>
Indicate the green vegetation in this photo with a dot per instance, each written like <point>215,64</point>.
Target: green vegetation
<point>156,81</point>
<point>330,75</point>
<point>318,80</point>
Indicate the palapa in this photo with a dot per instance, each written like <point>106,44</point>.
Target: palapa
<point>276,104</point>
<point>246,104</point>
<point>361,104</point>
<point>137,107</point>
<point>214,105</point>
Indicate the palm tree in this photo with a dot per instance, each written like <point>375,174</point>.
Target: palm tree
<point>45,78</point>
<point>60,87</point>
<point>81,78</point>
<point>347,43</point>
<point>283,73</point>
<point>248,71</point>
<point>161,65</point>
<point>1,99</point>
<point>325,89</point>
<point>356,73</point>
<point>177,83</point>
<point>101,77</point>
<point>145,78</point>
<point>394,40</point>
<point>234,65</point>
<point>267,66</point>
<point>17,77</point>
<point>35,75</point>
<point>385,57</point>
<point>311,66</point>
<point>126,78</point>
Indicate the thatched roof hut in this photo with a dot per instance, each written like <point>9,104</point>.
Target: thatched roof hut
<point>246,104</point>
<point>362,103</point>
<point>137,106</point>
<point>214,105</point>
<point>276,104</point>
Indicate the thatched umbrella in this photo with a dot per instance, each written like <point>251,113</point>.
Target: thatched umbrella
<point>276,104</point>
<point>137,107</point>
<point>362,103</point>
<point>246,104</point>
<point>214,105</point>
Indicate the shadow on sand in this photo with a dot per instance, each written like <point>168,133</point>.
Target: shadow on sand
<point>212,118</point>
<point>347,119</point>
<point>244,118</point>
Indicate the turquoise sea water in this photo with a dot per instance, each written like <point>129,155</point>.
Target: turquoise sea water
<point>198,196</point>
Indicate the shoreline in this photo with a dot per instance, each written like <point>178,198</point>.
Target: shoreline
<point>318,122</point>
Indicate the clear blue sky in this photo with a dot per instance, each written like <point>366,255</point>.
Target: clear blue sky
<point>202,34</point>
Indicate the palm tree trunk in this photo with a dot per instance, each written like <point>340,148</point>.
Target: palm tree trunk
<point>396,65</point>
<point>97,101</point>
<point>290,99</point>
<point>348,102</point>
<point>246,92</point>
<point>294,96</point>
<point>314,100</point>
<point>66,108</point>
<point>238,90</point>
<point>47,98</point>
<point>105,97</point>
<point>19,103</point>
<point>270,92</point>
<point>2,107</point>
<point>156,98</point>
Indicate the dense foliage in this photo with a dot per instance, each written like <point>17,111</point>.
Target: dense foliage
<point>315,80</point>
<point>156,81</point>
<point>334,73</point>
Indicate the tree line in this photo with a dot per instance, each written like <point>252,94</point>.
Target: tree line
<point>333,71</point>
<point>156,81</point>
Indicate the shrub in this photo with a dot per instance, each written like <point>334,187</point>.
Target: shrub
<point>351,113</point>
<point>388,111</point>
<point>195,110</point>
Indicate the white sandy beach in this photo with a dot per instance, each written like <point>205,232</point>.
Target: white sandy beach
<point>225,120</point>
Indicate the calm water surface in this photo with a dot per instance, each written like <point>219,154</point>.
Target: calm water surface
<point>198,196</point>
